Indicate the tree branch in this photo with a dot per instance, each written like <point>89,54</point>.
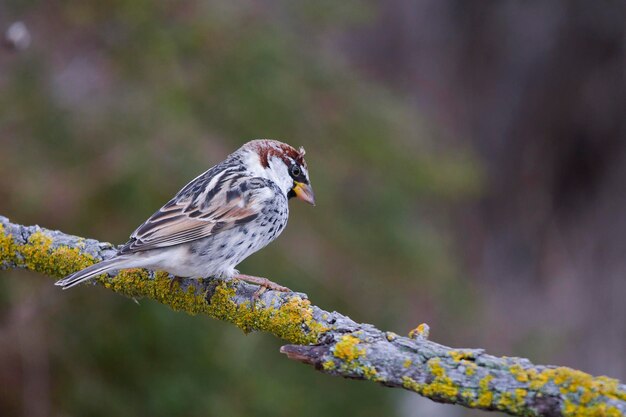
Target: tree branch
<point>332,342</point>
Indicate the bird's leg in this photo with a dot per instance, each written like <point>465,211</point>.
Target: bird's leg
<point>263,283</point>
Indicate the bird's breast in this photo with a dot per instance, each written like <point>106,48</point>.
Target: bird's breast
<point>220,253</point>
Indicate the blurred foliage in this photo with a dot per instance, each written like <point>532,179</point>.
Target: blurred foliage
<point>116,105</point>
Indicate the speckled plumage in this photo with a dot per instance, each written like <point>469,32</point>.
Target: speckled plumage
<point>217,220</point>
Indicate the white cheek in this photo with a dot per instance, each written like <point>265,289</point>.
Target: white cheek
<point>278,172</point>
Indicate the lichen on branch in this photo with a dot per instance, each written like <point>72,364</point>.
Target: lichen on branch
<point>288,316</point>
<point>332,342</point>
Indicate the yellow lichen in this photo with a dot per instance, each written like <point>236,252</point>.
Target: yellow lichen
<point>421,331</point>
<point>7,247</point>
<point>38,255</point>
<point>370,372</point>
<point>597,410</point>
<point>435,367</point>
<point>352,357</point>
<point>329,365</point>
<point>347,349</point>
<point>470,368</point>
<point>407,363</point>
<point>485,396</point>
<point>411,384</point>
<point>391,336</point>
<point>512,402</point>
<point>519,373</point>
<point>467,394</point>
<point>442,386</point>
<point>459,355</point>
<point>581,390</point>
<point>293,321</point>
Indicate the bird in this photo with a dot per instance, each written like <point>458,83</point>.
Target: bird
<point>217,220</point>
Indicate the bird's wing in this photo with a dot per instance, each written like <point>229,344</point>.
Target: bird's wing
<point>202,210</point>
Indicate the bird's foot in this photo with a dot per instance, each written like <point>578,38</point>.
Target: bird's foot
<point>264,285</point>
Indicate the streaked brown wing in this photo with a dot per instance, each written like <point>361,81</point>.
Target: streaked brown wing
<point>184,219</point>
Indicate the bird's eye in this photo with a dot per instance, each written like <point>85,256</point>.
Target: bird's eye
<point>295,171</point>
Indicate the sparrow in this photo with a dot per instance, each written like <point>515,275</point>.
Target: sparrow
<point>219,219</point>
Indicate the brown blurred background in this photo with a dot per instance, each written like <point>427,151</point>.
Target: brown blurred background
<point>469,159</point>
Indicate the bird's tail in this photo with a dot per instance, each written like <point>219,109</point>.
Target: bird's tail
<point>118,262</point>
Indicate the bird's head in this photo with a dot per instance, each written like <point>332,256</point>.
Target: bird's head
<point>281,163</point>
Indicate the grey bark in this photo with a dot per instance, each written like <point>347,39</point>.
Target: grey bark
<point>337,345</point>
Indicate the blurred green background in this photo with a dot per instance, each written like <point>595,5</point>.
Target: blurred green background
<point>468,160</point>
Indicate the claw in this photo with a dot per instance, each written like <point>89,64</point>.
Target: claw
<point>256,295</point>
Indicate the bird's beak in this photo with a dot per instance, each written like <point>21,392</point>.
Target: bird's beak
<point>304,192</point>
